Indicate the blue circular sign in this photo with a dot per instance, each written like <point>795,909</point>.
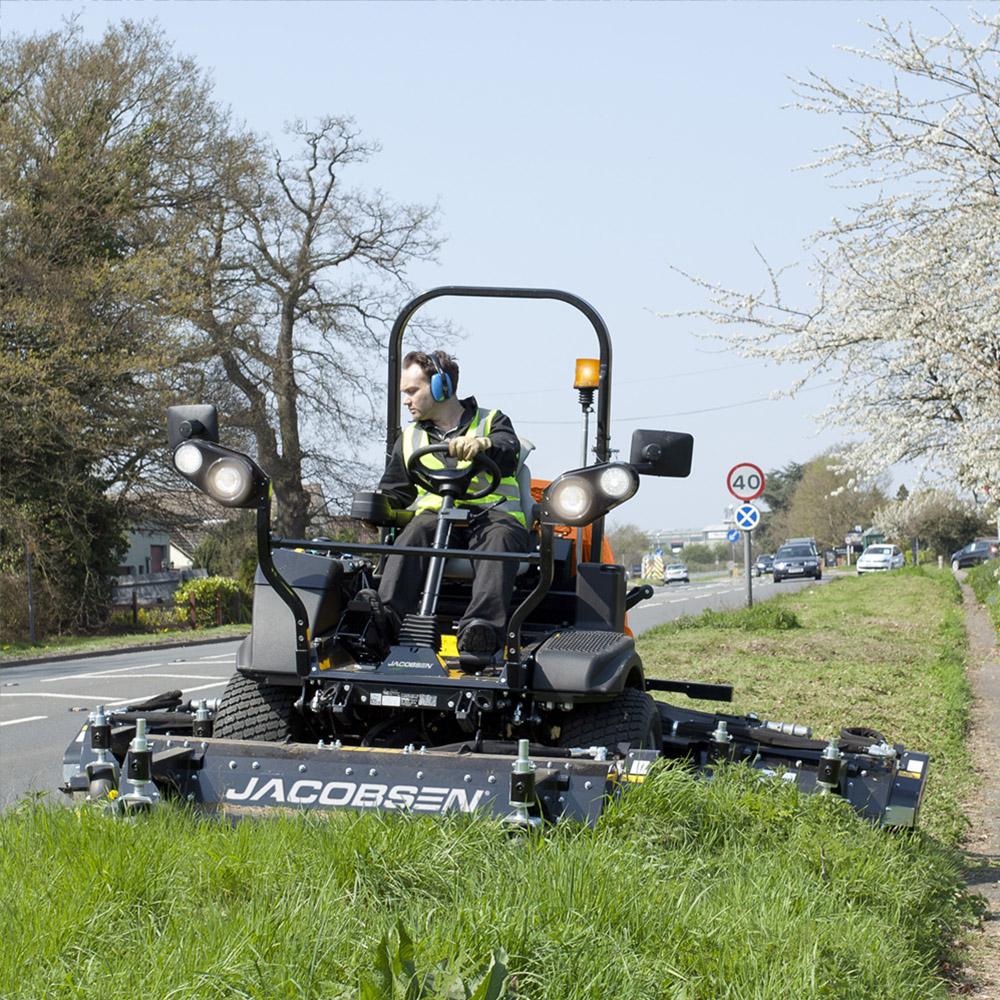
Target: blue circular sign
<point>746,516</point>
<point>732,535</point>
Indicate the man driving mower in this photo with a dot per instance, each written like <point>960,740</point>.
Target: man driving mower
<point>429,384</point>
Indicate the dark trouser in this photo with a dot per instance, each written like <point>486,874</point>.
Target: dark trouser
<point>493,581</point>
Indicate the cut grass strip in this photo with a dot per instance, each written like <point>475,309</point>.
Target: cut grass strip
<point>886,651</point>
<point>734,889</point>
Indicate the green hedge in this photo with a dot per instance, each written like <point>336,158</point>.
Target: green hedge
<point>212,598</point>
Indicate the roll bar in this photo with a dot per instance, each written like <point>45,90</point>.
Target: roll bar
<point>603,450</point>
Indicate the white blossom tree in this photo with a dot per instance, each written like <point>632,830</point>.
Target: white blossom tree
<point>941,520</point>
<point>906,308</point>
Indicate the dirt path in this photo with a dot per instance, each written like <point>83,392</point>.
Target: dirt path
<point>983,843</point>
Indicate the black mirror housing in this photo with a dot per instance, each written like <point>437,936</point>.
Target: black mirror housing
<point>662,453</point>
<point>200,421</point>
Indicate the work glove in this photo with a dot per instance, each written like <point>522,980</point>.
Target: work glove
<point>466,448</point>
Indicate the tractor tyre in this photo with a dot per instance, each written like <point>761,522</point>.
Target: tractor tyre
<point>251,710</point>
<point>630,718</point>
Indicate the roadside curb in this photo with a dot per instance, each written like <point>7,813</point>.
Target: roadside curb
<point>144,648</point>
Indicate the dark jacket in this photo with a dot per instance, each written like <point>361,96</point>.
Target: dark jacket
<point>504,450</point>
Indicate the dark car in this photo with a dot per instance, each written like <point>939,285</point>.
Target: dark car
<point>980,551</point>
<point>794,561</point>
<point>764,564</point>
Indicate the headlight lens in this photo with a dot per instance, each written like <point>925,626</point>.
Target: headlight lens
<point>571,499</point>
<point>230,481</point>
<point>188,459</point>
<point>618,482</point>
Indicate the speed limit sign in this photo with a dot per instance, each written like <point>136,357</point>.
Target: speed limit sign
<point>745,481</point>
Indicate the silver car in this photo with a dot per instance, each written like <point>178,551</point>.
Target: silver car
<point>880,559</point>
<point>676,571</point>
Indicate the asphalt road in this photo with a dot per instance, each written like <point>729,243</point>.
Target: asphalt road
<point>43,705</point>
<point>677,599</point>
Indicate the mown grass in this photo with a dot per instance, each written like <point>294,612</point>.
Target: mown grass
<point>734,889</point>
<point>883,651</point>
<point>92,643</point>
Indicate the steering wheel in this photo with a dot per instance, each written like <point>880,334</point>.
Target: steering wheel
<point>449,481</point>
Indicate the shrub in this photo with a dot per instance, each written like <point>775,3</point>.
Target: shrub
<point>214,598</point>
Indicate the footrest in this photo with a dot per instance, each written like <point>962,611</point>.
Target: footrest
<point>421,631</point>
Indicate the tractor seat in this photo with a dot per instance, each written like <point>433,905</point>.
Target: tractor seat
<point>461,569</point>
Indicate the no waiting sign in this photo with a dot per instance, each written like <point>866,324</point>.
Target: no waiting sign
<point>745,481</point>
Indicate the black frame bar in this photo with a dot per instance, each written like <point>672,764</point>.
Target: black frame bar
<point>603,450</point>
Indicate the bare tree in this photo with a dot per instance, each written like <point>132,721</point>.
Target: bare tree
<point>299,277</point>
<point>907,290</point>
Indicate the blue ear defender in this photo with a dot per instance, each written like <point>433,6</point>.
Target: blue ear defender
<point>440,382</point>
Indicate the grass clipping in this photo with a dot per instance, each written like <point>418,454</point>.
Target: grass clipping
<point>734,888</point>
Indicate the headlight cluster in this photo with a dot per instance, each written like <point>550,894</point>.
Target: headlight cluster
<point>576,498</point>
<point>226,476</point>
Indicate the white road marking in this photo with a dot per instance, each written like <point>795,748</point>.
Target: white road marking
<point>27,718</point>
<point>135,699</point>
<point>223,656</point>
<point>182,677</point>
<point>100,673</point>
<point>47,694</point>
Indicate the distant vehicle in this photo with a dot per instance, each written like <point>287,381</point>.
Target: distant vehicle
<point>795,560</point>
<point>676,571</point>
<point>764,564</point>
<point>979,551</point>
<point>880,559</point>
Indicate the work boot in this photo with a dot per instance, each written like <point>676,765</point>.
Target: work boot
<point>478,636</point>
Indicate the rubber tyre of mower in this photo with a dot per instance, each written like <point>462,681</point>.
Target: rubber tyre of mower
<point>251,710</point>
<point>630,718</point>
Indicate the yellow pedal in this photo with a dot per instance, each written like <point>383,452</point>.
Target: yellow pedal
<point>449,646</point>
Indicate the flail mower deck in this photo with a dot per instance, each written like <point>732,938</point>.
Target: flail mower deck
<point>332,709</point>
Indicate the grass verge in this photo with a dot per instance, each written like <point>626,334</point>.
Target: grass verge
<point>734,889</point>
<point>886,651</point>
<point>96,643</point>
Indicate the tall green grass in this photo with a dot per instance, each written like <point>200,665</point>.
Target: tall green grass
<point>985,582</point>
<point>734,889</point>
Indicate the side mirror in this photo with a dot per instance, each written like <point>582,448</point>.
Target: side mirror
<point>200,421</point>
<point>662,453</point>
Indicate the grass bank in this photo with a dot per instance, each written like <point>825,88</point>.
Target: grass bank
<point>98,643</point>
<point>729,890</point>
<point>985,583</point>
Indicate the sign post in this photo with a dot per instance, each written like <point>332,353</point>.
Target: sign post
<point>747,518</point>
<point>745,481</point>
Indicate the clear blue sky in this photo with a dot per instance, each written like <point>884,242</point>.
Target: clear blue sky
<point>586,146</point>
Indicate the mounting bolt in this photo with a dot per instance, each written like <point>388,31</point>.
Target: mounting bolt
<point>467,778</point>
<point>255,766</point>
<point>348,770</point>
<point>302,768</point>
<point>492,779</point>
<point>372,772</point>
<point>420,775</point>
<point>588,785</point>
<point>232,765</point>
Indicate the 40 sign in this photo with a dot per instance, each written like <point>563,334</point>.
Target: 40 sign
<point>745,481</point>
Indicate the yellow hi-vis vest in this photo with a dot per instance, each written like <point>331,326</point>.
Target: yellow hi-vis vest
<point>507,498</point>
